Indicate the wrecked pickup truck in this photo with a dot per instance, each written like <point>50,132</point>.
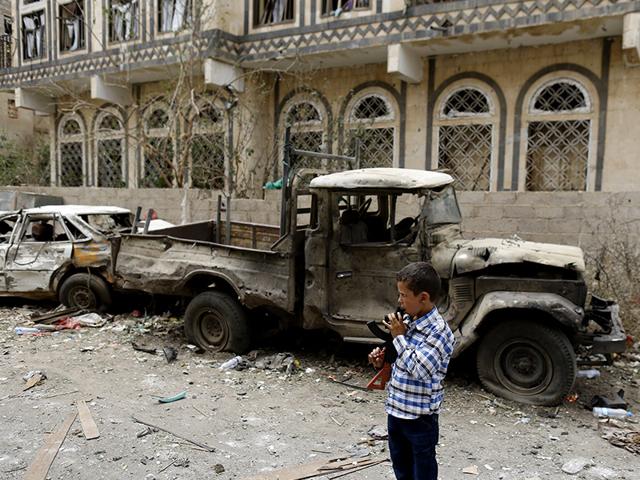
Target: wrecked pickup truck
<point>332,263</point>
<point>61,251</point>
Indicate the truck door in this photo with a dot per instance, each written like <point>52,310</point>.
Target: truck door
<point>7,227</point>
<point>40,248</point>
<point>364,259</point>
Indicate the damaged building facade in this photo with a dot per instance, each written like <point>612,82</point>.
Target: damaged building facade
<point>519,96</point>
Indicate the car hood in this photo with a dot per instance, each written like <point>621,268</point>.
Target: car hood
<point>464,256</point>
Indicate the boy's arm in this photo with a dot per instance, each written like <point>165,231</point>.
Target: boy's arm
<point>424,360</point>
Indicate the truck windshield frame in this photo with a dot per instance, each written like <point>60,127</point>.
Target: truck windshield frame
<point>441,207</point>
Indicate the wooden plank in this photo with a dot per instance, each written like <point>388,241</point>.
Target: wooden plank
<point>317,469</point>
<point>44,457</point>
<point>89,427</point>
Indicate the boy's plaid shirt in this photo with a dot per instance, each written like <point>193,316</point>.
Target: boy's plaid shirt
<point>418,372</point>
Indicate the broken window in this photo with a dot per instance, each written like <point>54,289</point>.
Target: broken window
<point>558,137</point>
<point>7,224</point>
<point>208,149</point>
<point>307,130</point>
<point>71,152</point>
<point>174,15</point>
<point>110,150</point>
<point>124,22</point>
<point>267,12</point>
<point>157,151</point>
<point>336,7</point>
<point>465,138</point>
<point>72,26</point>
<point>371,131</point>
<point>44,228</point>
<point>33,35</point>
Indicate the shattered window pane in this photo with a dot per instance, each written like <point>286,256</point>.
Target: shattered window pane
<point>34,35</point>
<point>466,101</point>
<point>465,150</point>
<point>560,97</point>
<point>7,225</point>
<point>124,21</point>
<point>72,26</point>
<point>370,108</point>
<point>336,7</point>
<point>108,223</point>
<point>266,12</point>
<point>174,15</point>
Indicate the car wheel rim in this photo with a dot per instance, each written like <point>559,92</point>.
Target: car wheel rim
<point>82,297</point>
<point>523,367</point>
<point>214,330</point>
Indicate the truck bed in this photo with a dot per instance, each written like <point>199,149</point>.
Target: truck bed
<point>180,260</point>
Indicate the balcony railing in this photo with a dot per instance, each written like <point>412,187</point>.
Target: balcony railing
<point>5,51</point>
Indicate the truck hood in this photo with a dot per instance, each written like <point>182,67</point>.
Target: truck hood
<point>469,255</point>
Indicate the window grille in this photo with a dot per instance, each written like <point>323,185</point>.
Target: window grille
<point>157,151</point>
<point>71,153</point>
<point>558,137</point>
<point>110,151</point>
<point>557,153</point>
<point>267,12</point>
<point>174,15</point>
<point>336,7</point>
<point>307,131</point>
<point>72,26</point>
<point>465,138</point>
<point>371,131</point>
<point>208,148</point>
<point>124,21</point>
<point>34,44</point>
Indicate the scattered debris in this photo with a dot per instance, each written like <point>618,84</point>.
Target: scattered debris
<point>201,445</point>
<point>617,401</point>
<point>590,373</point>
<point>89,427</point>
<point>33,378</point>
<point>47,453</point>
<point>55,315</point>
<point>576,465</point>
<point>378,432</point>
<point>218,468</point>
<point>471,470</point>
<point>90,320</point>
<point>146,431</point>
<point>142,348</point>
<point>170,354</point>
<point>320,468</point>
<point>174,398</point>
<point>627,437</point>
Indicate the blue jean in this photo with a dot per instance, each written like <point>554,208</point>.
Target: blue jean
<point>412,445</point>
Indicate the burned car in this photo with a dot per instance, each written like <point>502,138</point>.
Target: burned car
<point>61,251</point>
<point>521,306</point>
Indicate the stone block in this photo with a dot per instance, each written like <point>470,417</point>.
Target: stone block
<point>518,211</point>
<point>531,225</point>
<point>563,226</point>
<point>551,212</point>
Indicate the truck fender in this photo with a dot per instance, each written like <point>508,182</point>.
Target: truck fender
<point>213,277</point>
<point>566,313</point>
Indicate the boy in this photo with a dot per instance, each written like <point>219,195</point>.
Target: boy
<point>424,347</point>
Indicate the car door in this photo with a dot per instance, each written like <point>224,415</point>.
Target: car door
<point>40,248</point>
<point>7,226</point>
<point>362,273</point>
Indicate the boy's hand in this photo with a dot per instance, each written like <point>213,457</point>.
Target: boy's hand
<point>394,323</point>
<point>376,357</point>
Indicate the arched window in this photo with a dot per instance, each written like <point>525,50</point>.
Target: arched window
<point>371,129</point>
<point>158,168</point>
<point>110,149</point>
<point>208,147</point>
<point>465,122</point>
<point>307,118</point>
<point>71,151</point>
<point>559,123</point>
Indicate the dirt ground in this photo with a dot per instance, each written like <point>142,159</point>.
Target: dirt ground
<point>258,420</point>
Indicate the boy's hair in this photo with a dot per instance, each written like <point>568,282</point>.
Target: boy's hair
<point>421,277</point>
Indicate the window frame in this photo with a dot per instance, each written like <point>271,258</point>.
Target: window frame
<point>80,138</point>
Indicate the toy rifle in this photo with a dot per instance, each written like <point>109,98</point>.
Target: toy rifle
<point>379,381</point>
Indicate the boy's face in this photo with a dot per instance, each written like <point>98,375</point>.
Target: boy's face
<point>413,304</point>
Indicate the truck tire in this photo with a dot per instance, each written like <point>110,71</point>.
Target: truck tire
<point>527,362</point>
<point>86,291</point>
<point>216,322</point>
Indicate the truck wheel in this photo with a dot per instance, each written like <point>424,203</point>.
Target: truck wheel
<point>86,291</point>
<point>527,362</point>
<point>216,322</point>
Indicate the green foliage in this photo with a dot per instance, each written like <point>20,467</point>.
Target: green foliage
<point>24,161</point>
